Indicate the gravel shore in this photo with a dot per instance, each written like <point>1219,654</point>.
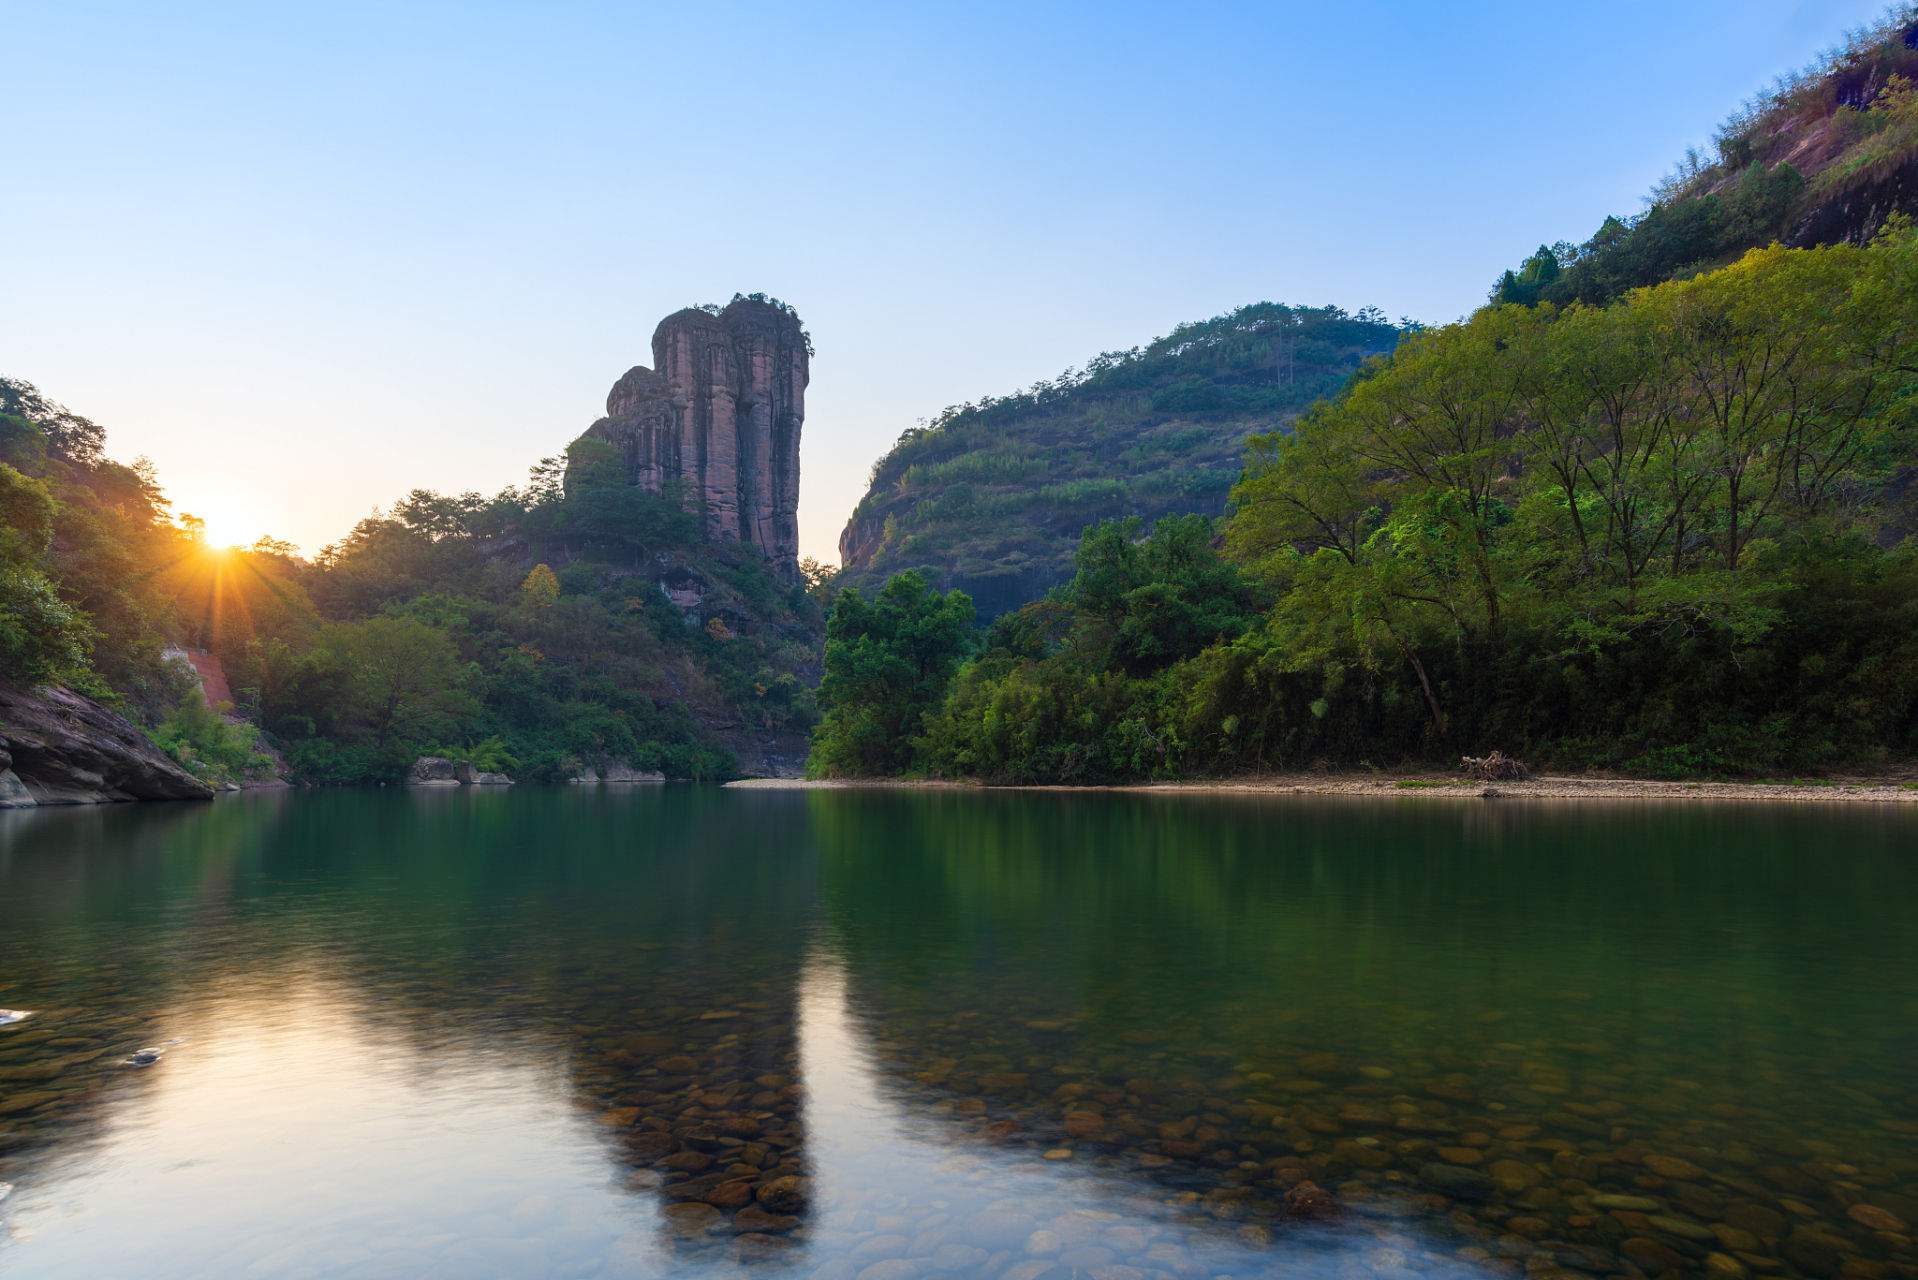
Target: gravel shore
<point>1448,786</point>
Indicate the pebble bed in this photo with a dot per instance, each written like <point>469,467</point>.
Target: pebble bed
<point>1547,1158</point>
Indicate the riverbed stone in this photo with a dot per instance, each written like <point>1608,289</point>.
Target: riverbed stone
<point>1813,1257</point>
<point>753,1218</point>
<point>1673,1167</point>
<point>1637,1204</point>
<point>888,1269</point>
<point>1455,1180</point>
<point>1756,1218</point>
<point>1870,1215</point>
<point>691,1218</point>
<point>1511,1171</point>
<point>1043,1244</point>
<point>994,1229</point>
<point>1654,1257</point>
<point>1365,1157</point>
<point>755,1247</point>
<point>1720,1266</point>
<point>1682,1227</point>
<point>1795,1181</point>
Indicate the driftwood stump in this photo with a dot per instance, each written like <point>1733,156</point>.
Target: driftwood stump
<point>1496,767</point>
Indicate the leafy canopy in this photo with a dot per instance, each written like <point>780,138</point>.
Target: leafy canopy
<point>888,662</point>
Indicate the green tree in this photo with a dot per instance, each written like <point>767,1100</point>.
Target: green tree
<point>1164,597</point>
<point>888,663</point>
<point>407,679</point>
<point>42,637</point>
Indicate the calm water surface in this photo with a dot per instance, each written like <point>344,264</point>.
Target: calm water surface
<point>688,1031</point>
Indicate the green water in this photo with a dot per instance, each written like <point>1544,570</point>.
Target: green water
<point>692,1031</point>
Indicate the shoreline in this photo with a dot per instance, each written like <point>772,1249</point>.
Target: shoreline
<point>1427,785</point>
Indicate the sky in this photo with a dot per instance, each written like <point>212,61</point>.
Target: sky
<point>310,257</point>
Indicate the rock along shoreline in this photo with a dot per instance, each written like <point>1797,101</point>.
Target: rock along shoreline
<point>1434,786</point>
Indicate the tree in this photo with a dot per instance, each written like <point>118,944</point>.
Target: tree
<point>541,587</point>
<point>41,636</point>
<point>1165,597</point>
<point>888,663</point>
<point>406,676</point>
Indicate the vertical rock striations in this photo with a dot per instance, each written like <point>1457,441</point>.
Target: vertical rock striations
<point>721,416</point>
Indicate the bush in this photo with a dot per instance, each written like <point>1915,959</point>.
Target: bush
<point>207,746</point>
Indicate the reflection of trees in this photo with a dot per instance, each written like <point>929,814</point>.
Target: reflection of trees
<point>1176,937</point>
<point>604,925</point>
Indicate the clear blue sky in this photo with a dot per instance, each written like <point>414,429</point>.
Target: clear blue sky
<point>308,257</point>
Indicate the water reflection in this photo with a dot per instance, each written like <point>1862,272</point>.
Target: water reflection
<point>873,1036</point>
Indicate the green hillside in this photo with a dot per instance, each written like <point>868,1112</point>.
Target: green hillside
<point>1825,156</point>
<point>991,497</point>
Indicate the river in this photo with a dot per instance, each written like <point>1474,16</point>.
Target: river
<point>912,1035</point>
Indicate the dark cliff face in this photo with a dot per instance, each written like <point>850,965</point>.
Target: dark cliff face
<point>57,747</point>
<point>722,415</point>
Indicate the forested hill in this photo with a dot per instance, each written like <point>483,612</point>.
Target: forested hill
<point>1825,156</point>
<point>991,497</point>
<point>573,624</point>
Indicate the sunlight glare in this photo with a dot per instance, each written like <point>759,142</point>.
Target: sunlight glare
<point>226,528</point>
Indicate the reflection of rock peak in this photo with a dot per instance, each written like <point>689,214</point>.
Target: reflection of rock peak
<point>722,416</point>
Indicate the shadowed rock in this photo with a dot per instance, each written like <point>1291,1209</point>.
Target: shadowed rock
<point>720,413</point>
<point>58,747</point>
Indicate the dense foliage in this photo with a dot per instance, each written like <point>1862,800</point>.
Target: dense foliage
<point>1663,534</point>
<point>82,539</point>
<point>991,496</point>
<point>423,630</point>
<point>888,663</point>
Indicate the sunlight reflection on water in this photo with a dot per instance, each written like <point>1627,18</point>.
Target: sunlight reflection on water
<point>287,1136</point>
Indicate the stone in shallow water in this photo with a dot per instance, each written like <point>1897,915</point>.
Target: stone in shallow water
<point>956,1257</point>
<point>753,1218</point>
<point>754,1247</point>
<point>1877,1219</point>
<point>1044,1244</point>
<point>691,1218</point>
<point>1755,1218</point>
<point>1457,1181</point>
<point>1681,1227</point>
<point>1795,1181</point>
<point>1637,1204</point>
<point>878,1249</point>
<point>1814,1257</point>
<point>1673,1167</point>
<point>1654,1257</point>
<point>1722,1266</point>
<point>687,1162</point>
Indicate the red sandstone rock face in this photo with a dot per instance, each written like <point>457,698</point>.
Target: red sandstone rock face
<point>722,415</point>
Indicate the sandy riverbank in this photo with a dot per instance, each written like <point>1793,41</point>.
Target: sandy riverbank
<point>1899,790</point>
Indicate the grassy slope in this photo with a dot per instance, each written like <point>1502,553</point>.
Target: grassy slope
<point>991,497</point>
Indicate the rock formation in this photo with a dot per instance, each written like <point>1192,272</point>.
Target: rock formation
<point>57,747</point>
<point>720,413</point>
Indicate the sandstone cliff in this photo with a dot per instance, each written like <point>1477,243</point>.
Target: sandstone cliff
<point>57,747</point>
<point>720,413</point>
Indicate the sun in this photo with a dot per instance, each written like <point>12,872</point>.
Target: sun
<point>222,526</point>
